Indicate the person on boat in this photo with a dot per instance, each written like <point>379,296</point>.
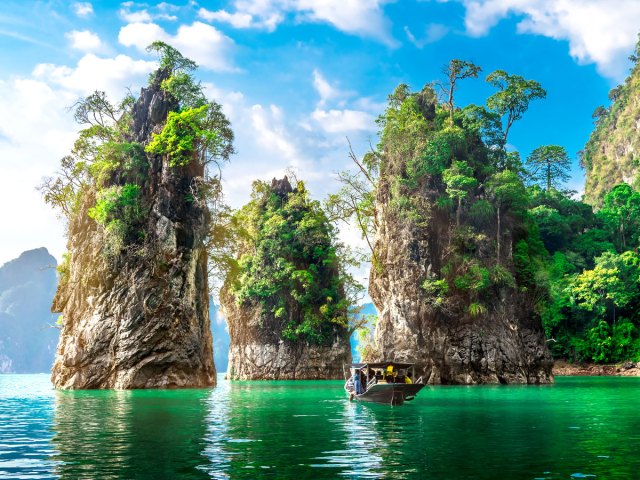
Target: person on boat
<point>391,373</point>
<point>357,383</point>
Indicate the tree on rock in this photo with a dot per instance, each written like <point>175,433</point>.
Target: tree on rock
<point>549,166</point>
<point>513,96</point>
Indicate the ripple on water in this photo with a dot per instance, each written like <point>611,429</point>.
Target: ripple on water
<point>310,430</point>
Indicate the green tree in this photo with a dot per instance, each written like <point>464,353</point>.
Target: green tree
<point>621,214</point>
<point>454,71</point>
<point>513,96</point>
<point>508,194</point>
<point>289,265</point>
<point>549,166</point>
<point>107,166</point>
<point>459,181</point>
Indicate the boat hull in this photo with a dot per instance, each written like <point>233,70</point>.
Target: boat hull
<point>390,393</point>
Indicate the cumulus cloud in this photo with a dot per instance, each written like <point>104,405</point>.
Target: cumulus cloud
<point>82,9</point>
<point>203,43</point>
<point>111,75</point>
<point>598,32</point>
<point>34,143</point>
<point>336,121</point>
<point>237,19</point>
<point>84,40</point>
<point>364,18</point>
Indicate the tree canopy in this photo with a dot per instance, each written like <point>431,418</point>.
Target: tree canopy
<point>549,166</point>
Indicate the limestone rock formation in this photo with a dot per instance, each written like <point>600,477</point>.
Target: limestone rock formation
<point>285,304</point>
<point>138,318</point>
<point>504,345</point>
<point>612,153</point>
<point>444,277</point>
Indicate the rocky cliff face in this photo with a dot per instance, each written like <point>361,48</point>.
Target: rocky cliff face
<point>505,344</point>
<point>138,317</point>
<point>612,154</point>
<point>285,305</point>
<point>256,353</point>
<point>452,254</point>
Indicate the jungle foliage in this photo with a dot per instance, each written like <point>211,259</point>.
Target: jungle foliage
<point>290,266</point>
<point>108,168</point>
<point>438,163</point>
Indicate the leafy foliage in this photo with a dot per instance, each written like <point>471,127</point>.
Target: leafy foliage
<point>108,170</point>
<point>549,166</point>
<point>289,265</point>
<point>513,96</point>
<point>592,275</point>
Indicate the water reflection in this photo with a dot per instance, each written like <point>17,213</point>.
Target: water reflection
<point>361,455</point>
<point>127,435</point>
<point>270,429</point>
<point>302,430</point>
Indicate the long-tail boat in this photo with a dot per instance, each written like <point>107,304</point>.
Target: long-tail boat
<point>392,383</point>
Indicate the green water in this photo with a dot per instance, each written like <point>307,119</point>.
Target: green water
<point>579,426</point>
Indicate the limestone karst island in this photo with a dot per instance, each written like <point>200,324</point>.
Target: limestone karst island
<point>320,239</point>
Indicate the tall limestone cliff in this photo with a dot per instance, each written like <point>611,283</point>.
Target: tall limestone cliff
<point>133,291</point>
<point>612,154</point>
<point>450,275</point>
<point>284,300</point>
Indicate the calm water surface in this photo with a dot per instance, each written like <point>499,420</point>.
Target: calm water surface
<point>577,428</point>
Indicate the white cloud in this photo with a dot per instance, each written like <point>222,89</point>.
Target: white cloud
<point>111,75</point>
<point>141,35</point>
<point>84,40</point>
<point>237,20</point>
<point>364,18</point>
<point>198,41</point>
<point>167,7</point>
<point>324,88</point>
<point>82,9</point>
<point>337,121</point>
<point>360,17</point>
<point>133,17</point>
<point>432,34</point>
<point>37,130</point>
<point>34,143</point>
<point>145,15</point>
<point>271,132</point>
<point>269,140</point>
<point>600,32</point>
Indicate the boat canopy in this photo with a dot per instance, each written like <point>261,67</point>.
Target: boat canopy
<point>382,365</point>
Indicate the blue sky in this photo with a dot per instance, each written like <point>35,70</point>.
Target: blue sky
<point>296,77</point>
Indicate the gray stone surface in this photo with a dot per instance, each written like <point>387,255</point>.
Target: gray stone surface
<point>256,354</point>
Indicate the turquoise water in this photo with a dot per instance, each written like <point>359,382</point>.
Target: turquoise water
<point>580,427</point>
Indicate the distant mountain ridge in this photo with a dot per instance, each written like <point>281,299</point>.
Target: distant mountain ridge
<point>27,339</point>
